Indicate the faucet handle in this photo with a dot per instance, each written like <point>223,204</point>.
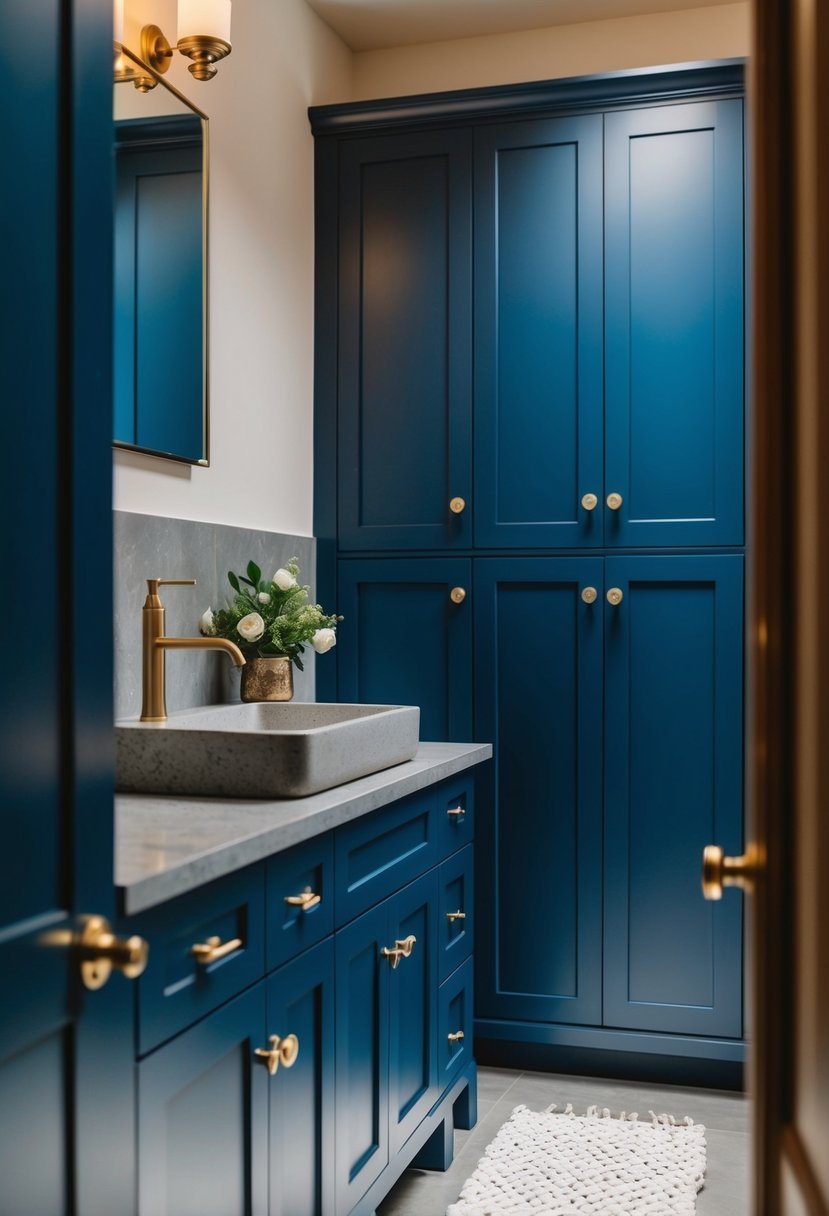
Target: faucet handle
<point>153,585</point>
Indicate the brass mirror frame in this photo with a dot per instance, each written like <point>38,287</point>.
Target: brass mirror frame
<point>150,72</point>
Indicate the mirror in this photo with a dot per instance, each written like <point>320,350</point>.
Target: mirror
<point>160,255</point>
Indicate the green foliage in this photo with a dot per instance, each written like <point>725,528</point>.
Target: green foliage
<point>275,619</point>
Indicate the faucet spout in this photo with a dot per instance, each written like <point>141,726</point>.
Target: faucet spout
<point>204,644</point>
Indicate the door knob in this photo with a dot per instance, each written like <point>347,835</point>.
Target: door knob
<point>719,871</point>
<point>102,952</point>
<point>281,1051</point>
<point>589,502</point>
<point>457,595</point>
<point>615,596</point>
<point>589,595</point>
<point>457,505</point>
<point>614,501</point>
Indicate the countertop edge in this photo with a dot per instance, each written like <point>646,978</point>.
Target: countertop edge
<point>307,817</point>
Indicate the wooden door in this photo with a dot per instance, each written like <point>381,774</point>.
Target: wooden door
<point>405,332</point>
<point>539,850</point>
<point>674,325</point>
<point>538,334</point>
<point>66,1118</point>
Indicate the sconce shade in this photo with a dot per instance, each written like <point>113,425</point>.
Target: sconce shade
<point>118,21</point>
<point>204,18</point>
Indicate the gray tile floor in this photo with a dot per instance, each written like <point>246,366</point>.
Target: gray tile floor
<point>726,1117</point>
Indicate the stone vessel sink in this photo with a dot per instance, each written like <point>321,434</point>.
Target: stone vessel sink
<point>263,750</point>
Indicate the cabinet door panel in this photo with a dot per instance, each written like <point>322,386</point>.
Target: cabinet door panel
<point>539,699</point>
<point>673,769</point>
<point>203,1117</point>
<point>674,324</point>
<point>404,642</point>
<point>538,332</point>
<point>301,1002</point>
<point>405,341</point>
<point>413,986</point>
<point>362,1055</point>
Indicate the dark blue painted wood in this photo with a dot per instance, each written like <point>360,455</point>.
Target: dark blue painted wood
<point>413,988</point>
<point>674,324</point>
<point>673,768</point>
<point>377,855</point>
<point>539,699</point>
<point>455,1013</point>
<point>291,929</point>
<point>403,641</point>
<point>405,341</point>
<point>538,333</point>
<point>203,1117</point>
<point>455,936</point>
<point>301,1159</point>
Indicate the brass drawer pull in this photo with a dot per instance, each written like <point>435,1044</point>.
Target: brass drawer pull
<point>306,900</point>
<point>615,596</point>
<point>102,953</point>
<point>614,501</point>
<point>457,812</point>
<point>456,1037</point>
<point>281,1051</point>
<point>401,949</point>
<point>457,505</point>
<point>452,916</point>
<point>457,595</point>
<point>589,595</point>
<point>213,949</point>
<point>589,502</point>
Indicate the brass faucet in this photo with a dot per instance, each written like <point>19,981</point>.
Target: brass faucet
<point>154,706</point>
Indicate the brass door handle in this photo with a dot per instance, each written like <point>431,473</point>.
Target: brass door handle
<point>589,595</point>
<point>306,900</point>
<point>457,595</point>
<point>457,505</point>
<point>615,596</point>
<point>102,952</point>
<point>281,1051</point>
<point>211,950</point>
<point>401,949</point>
<point>589,502</point>
<point>614,501</point>
<point>453,916</point>
<point>456,1036</point>
<point>719,871</point>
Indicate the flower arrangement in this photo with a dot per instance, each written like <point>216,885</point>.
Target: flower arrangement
<point>269,618</point>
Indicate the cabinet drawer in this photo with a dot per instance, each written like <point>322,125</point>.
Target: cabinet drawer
<point>380,853</point>
<point>456,912</point>
<point>304,873</point>
<point>455,999</point>
<point>456,815</point>
<point>178,988</point>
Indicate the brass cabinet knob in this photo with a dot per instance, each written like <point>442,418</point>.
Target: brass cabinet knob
<point>453,916</point>
<point>281,1051</point>
<point>614,501</point>
<point>589,595</point>
<point>102,952</point>
<point>615,596</point>
<point>306,900</point>
<point>719,871</point>
<point>402,948</point>
<point>457,595</point>
<point>457,505</point>
<point>213,948</point>
<point>589,502</point>
<point>456,1036</point>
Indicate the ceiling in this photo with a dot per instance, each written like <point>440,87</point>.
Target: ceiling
<point>371,24</point>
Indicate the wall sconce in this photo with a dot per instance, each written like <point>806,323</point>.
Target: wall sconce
<point>203,36</point>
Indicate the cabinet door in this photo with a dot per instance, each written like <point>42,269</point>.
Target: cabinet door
<point>674,324</point>
<point>362,1056</point>
<point>413,988</point>
<point>538,333</point>
<point>203,1117</point>
<point>301,1002</point>
<point>405,642</point>
<point>405,341</point>
<point>539,700</point>
<point>674,685</point>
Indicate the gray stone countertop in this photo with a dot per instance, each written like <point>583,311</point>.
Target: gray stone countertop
<point>165,846</point>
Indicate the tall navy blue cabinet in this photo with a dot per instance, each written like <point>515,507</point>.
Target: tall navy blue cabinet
<point>530,300</point>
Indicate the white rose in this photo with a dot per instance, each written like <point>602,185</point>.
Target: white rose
<point>251,627</point>
<point>323,640</point>
<point>284,579</point>
<point>263,597</point>
<point>207,625</point>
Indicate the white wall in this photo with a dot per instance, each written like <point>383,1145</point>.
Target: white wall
<point>720,32</point>
<point>261,271</point>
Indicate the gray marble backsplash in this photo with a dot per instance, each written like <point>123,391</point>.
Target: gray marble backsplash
<point>153,546</point>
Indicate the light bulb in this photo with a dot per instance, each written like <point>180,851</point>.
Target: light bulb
<point>208,18</point>
<point>118,21</point>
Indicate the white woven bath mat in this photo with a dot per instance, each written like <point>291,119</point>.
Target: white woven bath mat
<point>551,1163</point>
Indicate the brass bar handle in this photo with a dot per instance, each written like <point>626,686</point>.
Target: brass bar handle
<point>719,871</point>
<point>615,596</point>
<point>457,505</point>
<point>589,595</point>
<point>456,812</point>
<point>456,1036</point>
<point>614,501</point>
<point>457,595</point>
<point>213,949</point>
<point>453,916</point>
<point>306,900</point>
<point>402,948</point>
<point>102,953</point>
<point>281,1051</point>
<point>589,502</point>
